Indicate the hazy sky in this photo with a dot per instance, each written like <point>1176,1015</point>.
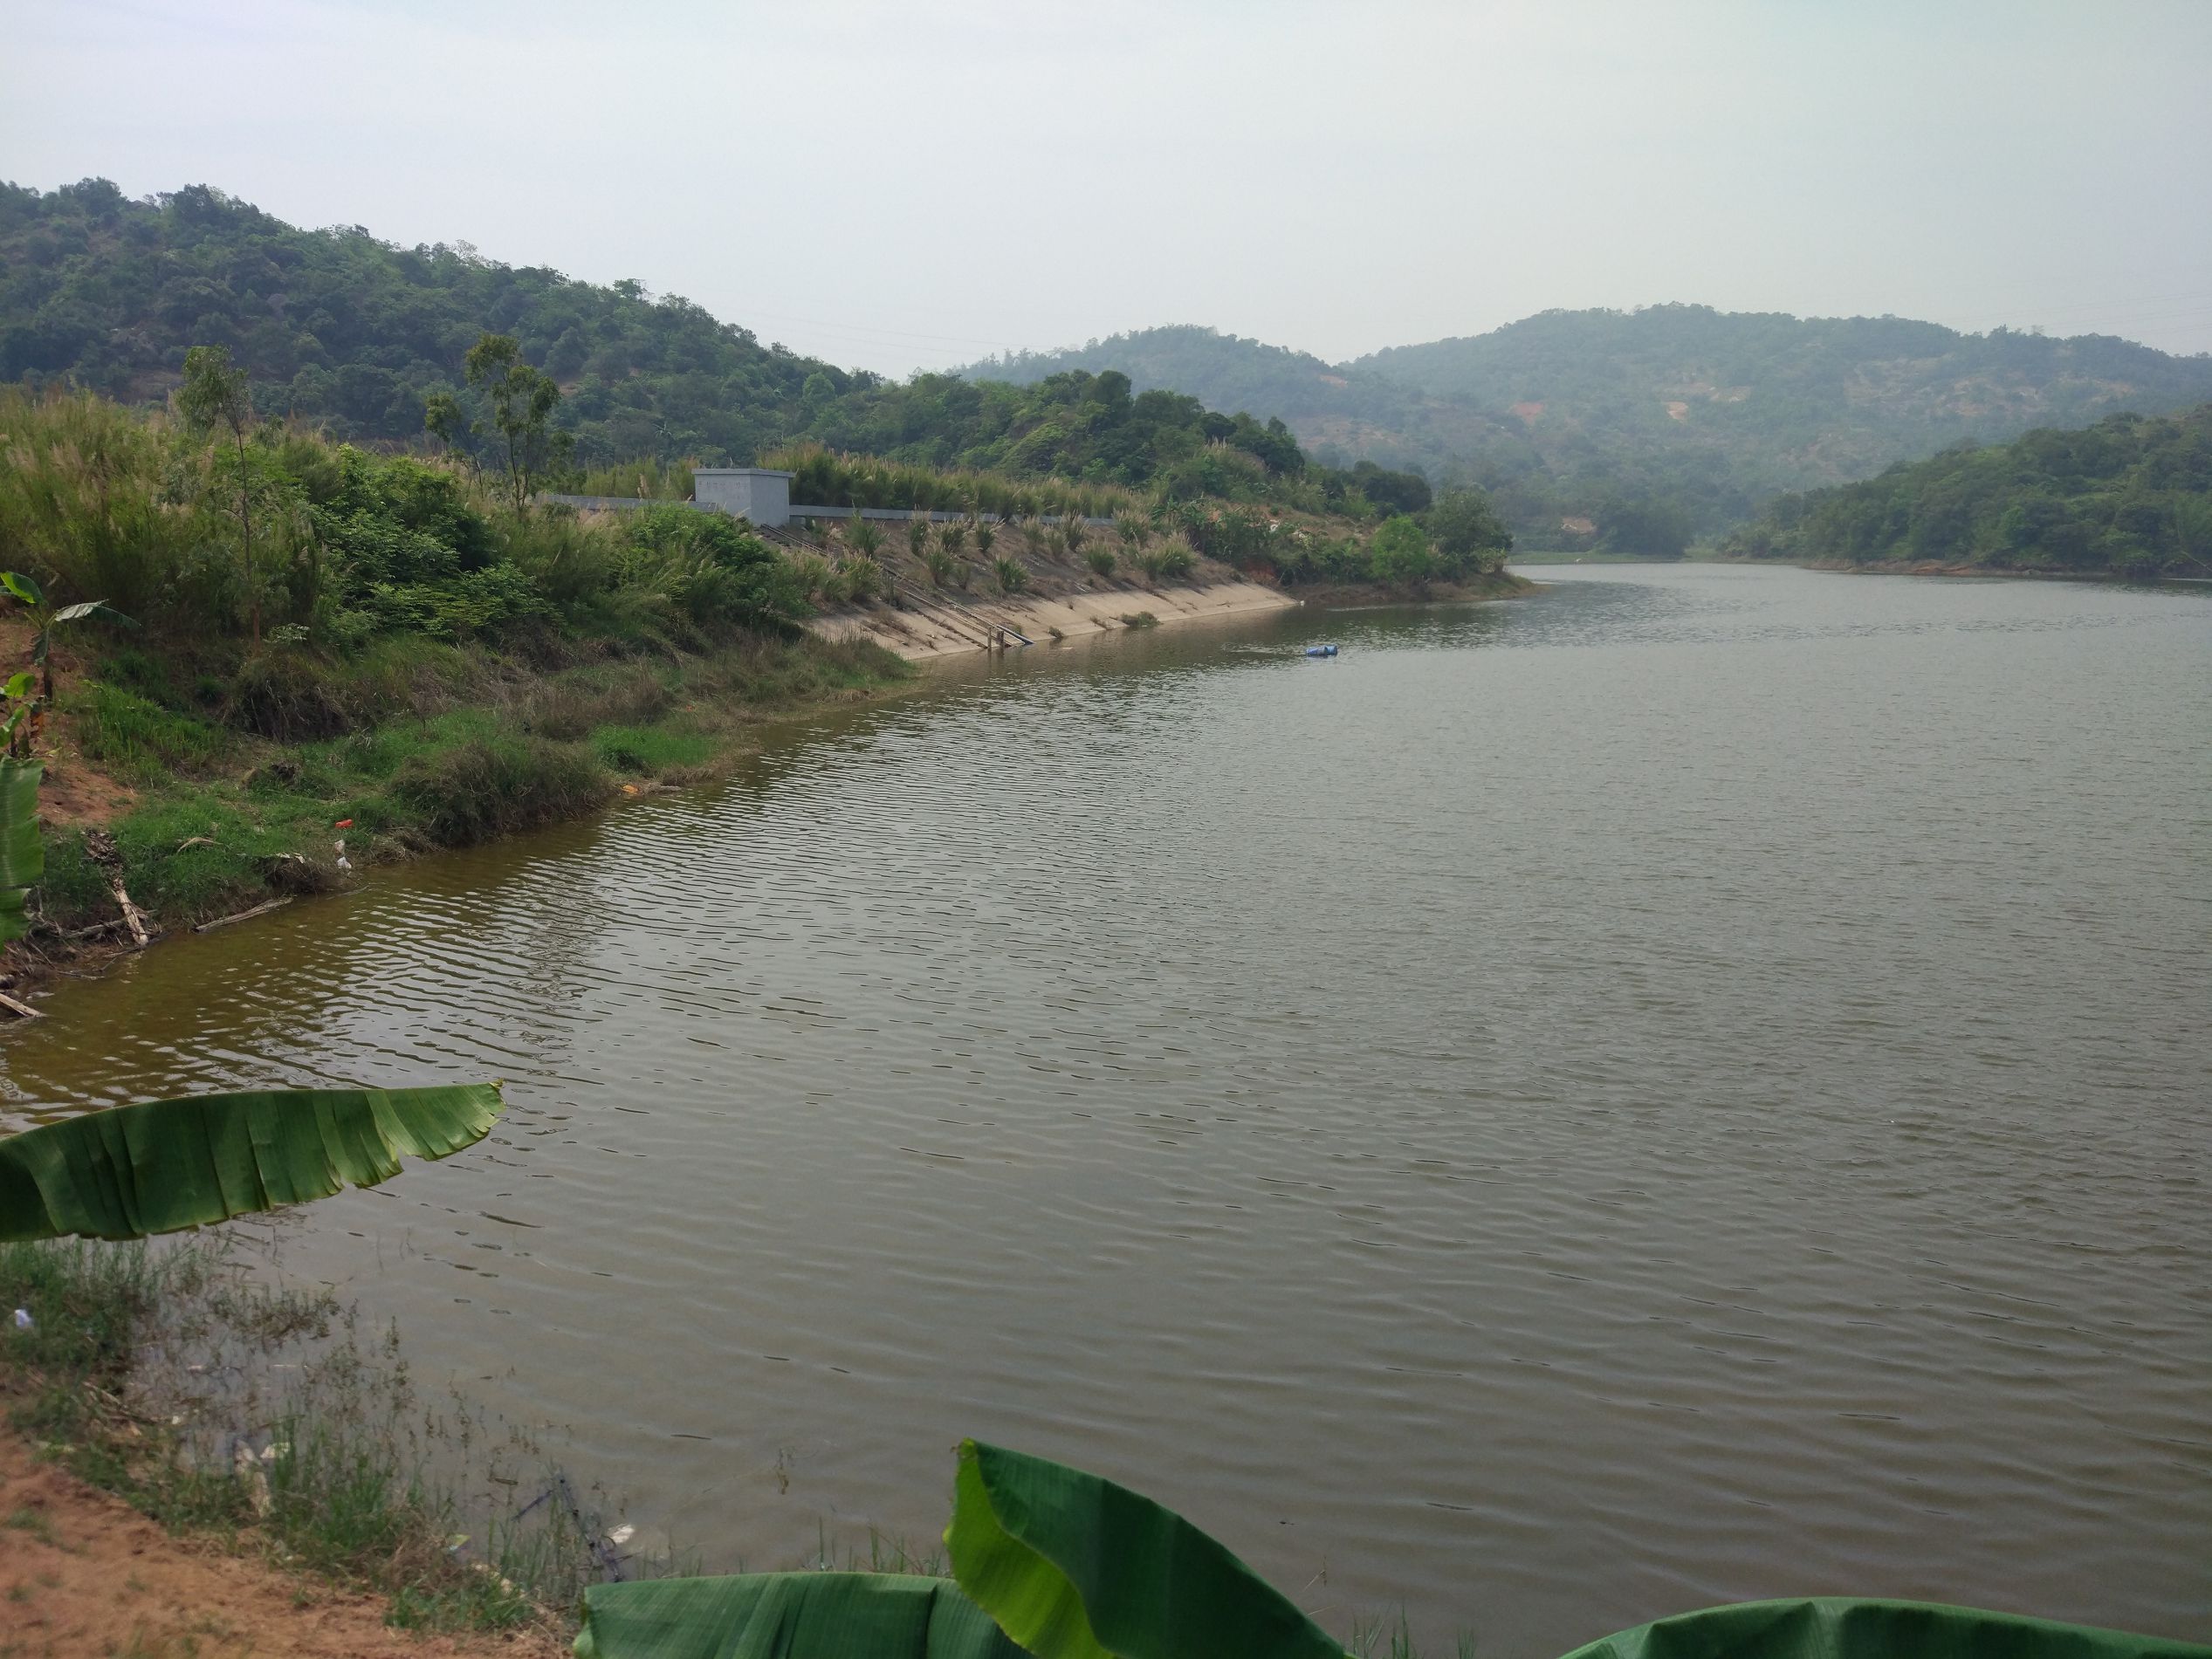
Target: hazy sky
<point>904,184</point>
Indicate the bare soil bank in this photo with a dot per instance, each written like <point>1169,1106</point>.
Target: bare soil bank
<point>84,1576</point>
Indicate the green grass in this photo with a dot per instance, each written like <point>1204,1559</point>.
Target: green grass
<point>651,750</point>
<point>137,741</point>
<point>412,744</point>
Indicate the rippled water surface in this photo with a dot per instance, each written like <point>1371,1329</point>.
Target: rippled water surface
<point>1689,1088</point>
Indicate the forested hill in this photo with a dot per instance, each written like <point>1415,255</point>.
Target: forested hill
<point>1711,413</point>
<point>2131,496</point>
<point>107,293</point>
<point>1341,412</point>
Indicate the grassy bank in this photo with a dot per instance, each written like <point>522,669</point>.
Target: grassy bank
<point>408,745</point>
<point>269,1424</point>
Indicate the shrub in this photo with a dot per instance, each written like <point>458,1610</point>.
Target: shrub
<point>813,576</point>
<point>711,566</point>
<point>1072,530</point>
<point>1175,559</point>
<point>1469,535</point>
<point>1100,560</point>
<point>291,695</point>
<point>1400,552</point>
<point>568,560</point>
<point>862,577</point>
<point>1012,578</point>
<point>953,535</point>
<point>939,564</point>
<point>491,787</point>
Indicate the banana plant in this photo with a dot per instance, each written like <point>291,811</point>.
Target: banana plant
<point>1057,1564</point>
<point>162,1166</point>
<point>46,618</point>
<point>22,852</point>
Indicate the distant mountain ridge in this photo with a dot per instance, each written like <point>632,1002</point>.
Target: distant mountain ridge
<point>1676,414</point>
<point>1720,412</point>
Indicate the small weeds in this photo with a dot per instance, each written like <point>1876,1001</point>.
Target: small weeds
<point>30,1521</point>
<point>1139,618</point>
<point>164,1374</point>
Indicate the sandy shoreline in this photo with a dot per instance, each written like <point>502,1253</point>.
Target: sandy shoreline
<point>941,626</point>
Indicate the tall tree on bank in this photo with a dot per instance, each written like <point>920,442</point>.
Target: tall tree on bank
<point>522,403</point>
<point>215,394</point>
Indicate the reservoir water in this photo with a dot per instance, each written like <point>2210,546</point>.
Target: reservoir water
<point>1688,1087</point>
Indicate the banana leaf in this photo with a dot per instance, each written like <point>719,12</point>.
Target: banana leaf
<point>1846,1627</point>
<point>788,1615</point>
<point>1073,1567</point>
<point>23,854</point>
<point>135,1170</point>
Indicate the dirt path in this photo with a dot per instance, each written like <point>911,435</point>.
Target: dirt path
<point>83,1576</point>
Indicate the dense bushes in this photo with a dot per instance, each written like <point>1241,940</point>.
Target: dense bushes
<point>345,546</point>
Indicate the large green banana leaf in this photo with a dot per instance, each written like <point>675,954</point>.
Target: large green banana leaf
<point>1843,1627</point>
<point>788,1615</point>
<point>1073,1567</point>
<point>133,1170</point>
<point>23,855</point>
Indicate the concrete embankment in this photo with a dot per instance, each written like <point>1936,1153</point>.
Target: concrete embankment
<point>936,626</point>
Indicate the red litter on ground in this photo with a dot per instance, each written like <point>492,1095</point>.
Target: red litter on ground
<point>343,823</point>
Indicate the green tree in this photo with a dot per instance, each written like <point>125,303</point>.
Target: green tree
<point>1469,534</point>
<point>442,419</point>
<point>215,394</point>
<point>522,403</point>
<point>1647,526</point>
<point>1400,552</point>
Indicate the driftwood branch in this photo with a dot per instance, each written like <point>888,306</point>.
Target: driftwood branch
<point>22,1009</point>
<point>257,910</point>
<point>99,847</point>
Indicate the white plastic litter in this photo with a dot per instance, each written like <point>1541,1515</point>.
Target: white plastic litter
<point>23,1321</point>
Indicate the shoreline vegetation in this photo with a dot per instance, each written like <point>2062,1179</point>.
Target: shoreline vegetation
<point>321,1503</point>
<point>271,659</point>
